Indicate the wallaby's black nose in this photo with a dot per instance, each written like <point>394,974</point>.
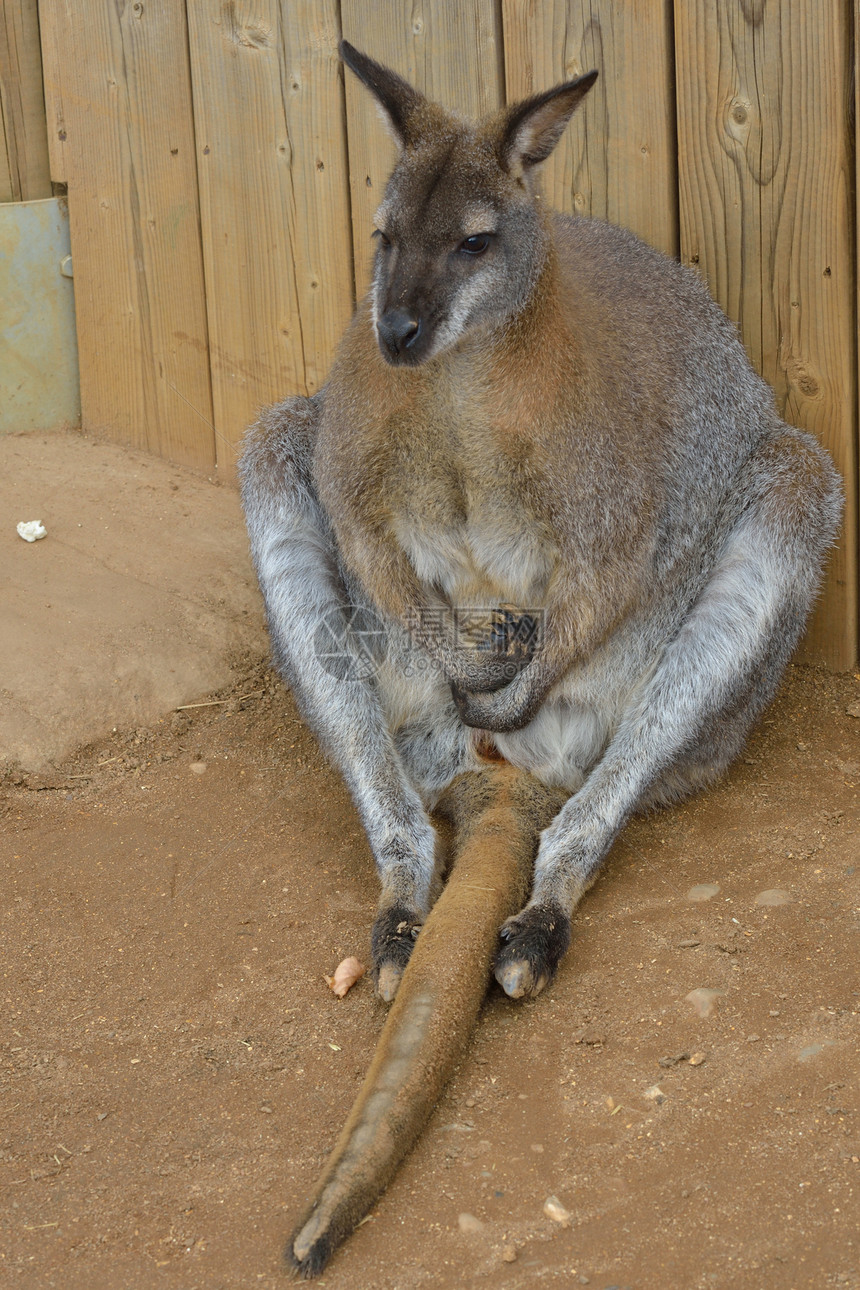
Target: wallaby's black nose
<point>398,330</point>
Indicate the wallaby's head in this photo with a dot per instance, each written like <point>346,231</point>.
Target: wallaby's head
<point>460,239</point>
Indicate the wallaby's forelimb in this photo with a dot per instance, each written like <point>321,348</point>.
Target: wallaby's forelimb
<point>497,814</point>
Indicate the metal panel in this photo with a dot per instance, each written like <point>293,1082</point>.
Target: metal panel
<point>39,387</point>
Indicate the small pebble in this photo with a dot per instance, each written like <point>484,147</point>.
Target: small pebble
<point>853,709</point>
<point>812,1050</point>
<point>655,1094</point>
<point>197,767</point>
<point>469,1224</point>
<point>703,1000</point>
<point>509,1254</point>
<point>673,1061</point>
<point>753,1039</point>
<point>775,896</point>
<point>703,891</point>
<point>688,945</point>
<point>697,1059</point>
<point>554,1209</point>
<point>590,1035</point>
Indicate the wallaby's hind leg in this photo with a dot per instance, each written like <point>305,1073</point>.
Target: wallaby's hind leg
<point>304,587</point>
<point>715,676</point>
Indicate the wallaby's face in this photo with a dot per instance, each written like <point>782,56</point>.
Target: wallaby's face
<point>459,245</point>
<point>460,241</point>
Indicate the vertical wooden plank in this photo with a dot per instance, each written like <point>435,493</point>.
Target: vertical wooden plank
<point>852,525</point>
<point>766,182</point>
<point>135,230</point>
<point>617,159</point>
<point>24,174</point>
<point>271,151</point>
<point>451,52</point>
<point>54,23</point>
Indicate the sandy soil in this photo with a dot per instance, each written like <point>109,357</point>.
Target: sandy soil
<point>175,1068</point>
<point>174,890</point>
<point>137,600</point>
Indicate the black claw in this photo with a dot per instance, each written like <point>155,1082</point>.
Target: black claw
<point>515,636</point>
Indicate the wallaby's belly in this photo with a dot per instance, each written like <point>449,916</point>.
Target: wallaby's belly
<point>474,550</point>
<point>559,747</point>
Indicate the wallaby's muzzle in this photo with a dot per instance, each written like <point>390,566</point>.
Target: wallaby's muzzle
<point>398,331</point>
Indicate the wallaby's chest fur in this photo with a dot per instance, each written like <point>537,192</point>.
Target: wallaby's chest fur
<point>457,481</point>
<point>493,462</point>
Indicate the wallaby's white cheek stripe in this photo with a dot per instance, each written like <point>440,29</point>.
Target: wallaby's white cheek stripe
<point>468,300</point>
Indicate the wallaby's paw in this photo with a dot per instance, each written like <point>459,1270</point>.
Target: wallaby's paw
<point>534,942</point>
<point>394,933</point>
<point>481,671</point>
<point>499,712</point>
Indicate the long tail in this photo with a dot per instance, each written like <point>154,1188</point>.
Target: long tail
<point>497,814</point>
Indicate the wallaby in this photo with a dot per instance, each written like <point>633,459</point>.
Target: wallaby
<point>548,511</point>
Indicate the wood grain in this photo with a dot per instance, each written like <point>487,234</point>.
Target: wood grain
<point>753,181</point>
<point>451,51</point>
<point>271,155</point>
<point>766,182</point>
<point>139,291</point>
<point>24,171</point>
<point>617,158</point>
<point>54,25</point>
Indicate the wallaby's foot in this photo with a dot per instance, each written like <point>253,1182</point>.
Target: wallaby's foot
<point>392,938</point>
<point>534,942</point>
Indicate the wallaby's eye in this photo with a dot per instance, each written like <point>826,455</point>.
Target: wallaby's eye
<point>476,244</point>
<point>383,239</point>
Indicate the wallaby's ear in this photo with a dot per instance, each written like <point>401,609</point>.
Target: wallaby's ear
<point>397,98</point>
<point>533,128</point>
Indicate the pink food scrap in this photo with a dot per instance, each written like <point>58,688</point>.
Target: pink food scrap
<point>345,976</point>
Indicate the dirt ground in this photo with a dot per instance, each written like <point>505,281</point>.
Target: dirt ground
<point>175,1068</point>
<point>137,600</point>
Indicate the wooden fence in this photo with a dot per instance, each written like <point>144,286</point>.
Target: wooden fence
<point>222,175</point>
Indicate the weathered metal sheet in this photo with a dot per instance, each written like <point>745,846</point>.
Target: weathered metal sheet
<point>39,385</point>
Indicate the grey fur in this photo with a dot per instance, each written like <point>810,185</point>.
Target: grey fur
<point>655,508</point>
